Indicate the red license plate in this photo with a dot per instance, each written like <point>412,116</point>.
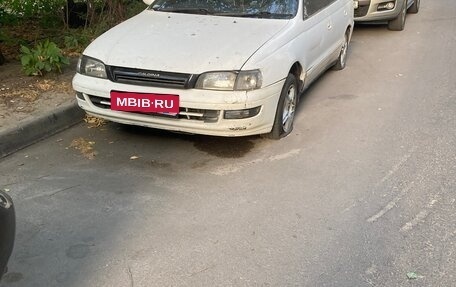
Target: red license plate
<point>144,102</point>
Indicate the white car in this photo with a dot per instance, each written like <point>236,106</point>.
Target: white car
<point>220,67</point>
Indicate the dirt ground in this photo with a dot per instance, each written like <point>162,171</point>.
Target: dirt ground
<point>23,96</point>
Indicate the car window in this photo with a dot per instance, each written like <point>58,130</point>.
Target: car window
<point>310,7</point>
<point>275,9</point>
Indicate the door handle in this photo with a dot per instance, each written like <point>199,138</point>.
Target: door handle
<point>329,26</point>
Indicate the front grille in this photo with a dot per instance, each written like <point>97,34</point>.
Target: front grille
<point>208,116</point>
<point>361,11</point>
<point>151,78</point>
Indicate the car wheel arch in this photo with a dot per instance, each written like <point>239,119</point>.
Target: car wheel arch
<point>300,74</point>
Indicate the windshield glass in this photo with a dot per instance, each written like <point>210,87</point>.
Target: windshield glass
<point>275,9</point>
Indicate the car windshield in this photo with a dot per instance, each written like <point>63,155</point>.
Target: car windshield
<point>273,9</point>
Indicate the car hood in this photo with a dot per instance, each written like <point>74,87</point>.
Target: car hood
<point>183,43</point>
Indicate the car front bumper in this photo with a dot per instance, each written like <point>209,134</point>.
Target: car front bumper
<point>94,98</point>
<point>367,11</point>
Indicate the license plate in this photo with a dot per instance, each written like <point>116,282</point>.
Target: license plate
<point>355,4</point>
<point>145,102</point>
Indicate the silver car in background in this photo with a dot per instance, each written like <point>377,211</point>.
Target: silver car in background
<point>392,11</point>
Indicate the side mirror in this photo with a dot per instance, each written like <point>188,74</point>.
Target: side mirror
<point>148,2</point>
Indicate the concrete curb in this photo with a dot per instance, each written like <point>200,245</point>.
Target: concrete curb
<point>33,130</point>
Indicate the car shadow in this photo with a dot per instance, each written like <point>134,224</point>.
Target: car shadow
<point>222,147</point>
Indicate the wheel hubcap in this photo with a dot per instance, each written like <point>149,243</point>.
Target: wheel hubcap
<point>289,107</point>
<point>343,52</point>
<point>404,11</point>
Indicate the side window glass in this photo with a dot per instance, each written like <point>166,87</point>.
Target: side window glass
<point>310,7</point>
<point>305,9</point>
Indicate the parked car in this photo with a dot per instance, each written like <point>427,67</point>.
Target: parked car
<point>7,230</point>
<point>224,68</point>
<point>394,12</point>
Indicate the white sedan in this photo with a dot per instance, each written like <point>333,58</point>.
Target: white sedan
<point>224,68</point>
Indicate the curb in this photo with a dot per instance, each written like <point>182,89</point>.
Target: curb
<point>36,129</point>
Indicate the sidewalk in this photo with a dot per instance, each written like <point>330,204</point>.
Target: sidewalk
<point>33,108</point>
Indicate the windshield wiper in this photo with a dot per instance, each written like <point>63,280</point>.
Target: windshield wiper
<point>262,14</point>
<point>202,11</point>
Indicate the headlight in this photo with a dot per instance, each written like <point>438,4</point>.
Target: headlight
<point>230,81</point>
<point>91,67</point>
<point>223,81</point>
<point>248,80</point>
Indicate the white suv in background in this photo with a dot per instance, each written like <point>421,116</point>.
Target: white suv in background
<point>392,11</point>
<point>222,67</point>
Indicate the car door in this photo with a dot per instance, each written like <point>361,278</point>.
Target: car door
<point>339,12</point>
<point>315,48</point>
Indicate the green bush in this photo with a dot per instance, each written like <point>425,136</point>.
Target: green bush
<point>76,42</point>
<point>28,8</point>
<point>45,57</point>
<point>7,18</point>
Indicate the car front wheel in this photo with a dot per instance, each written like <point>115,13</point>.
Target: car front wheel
<point>398,23</point>
<point>342,60</point>
<point>415,7</point>
<point>286,108</point>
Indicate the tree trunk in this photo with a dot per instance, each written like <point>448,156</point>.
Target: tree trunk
<point>2,59</point>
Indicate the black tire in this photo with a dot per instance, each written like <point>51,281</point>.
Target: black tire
<point>287,101</point>
<point>415,7</point>
<point>342,60</point>
<point>398,23</point>
<point>7,230</point>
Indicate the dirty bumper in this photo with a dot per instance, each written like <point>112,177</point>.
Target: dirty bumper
<point>201,111</point>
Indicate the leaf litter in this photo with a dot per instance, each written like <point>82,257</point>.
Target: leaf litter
<point>413,276</point>
<point>94,122</point>
<point>85,147</point>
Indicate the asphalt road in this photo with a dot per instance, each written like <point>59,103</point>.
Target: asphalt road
<point>360,194</point>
